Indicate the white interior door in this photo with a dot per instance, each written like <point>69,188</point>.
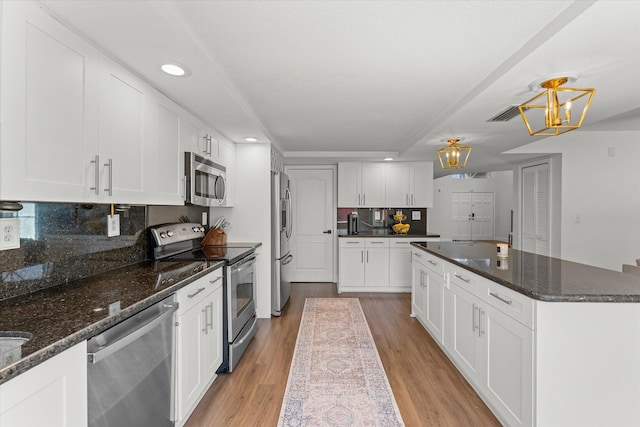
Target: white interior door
<point>536,209</point>
<point>472,215</point>
<point>312,240</point>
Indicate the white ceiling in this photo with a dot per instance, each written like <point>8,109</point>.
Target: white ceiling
<point>327,80</point>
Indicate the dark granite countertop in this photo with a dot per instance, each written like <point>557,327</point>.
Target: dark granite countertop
<point>538,276</point>
<point>389,233</point>
<point>62,316</point>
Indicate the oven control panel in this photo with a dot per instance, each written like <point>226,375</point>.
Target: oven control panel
<point>179,232</point>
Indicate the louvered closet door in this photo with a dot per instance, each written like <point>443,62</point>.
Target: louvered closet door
<point>536,205</point>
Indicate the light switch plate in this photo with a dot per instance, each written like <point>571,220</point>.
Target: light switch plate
<point>113,225</point>
<point>415,215</point>
<point>10,228</point>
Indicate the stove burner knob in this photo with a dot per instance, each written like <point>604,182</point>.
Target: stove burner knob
<point>163,235</point>
<point>170,233</point>
<point>201,229</point>
<point>196,229</point>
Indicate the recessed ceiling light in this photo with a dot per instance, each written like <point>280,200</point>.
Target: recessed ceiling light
<point>251,139</point>
<point>388,159</point>
<point>175,69</point>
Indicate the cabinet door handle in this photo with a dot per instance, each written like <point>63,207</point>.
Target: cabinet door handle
<point>364,199</point>
<point>474,326</point>
<point>96,162</point>
<point>411,199</point>
<point>367,257</point>
<point>406,199</point>
<point>358,199</point>
<point>362,257</point>
<point>504,300</point>
<point>209,309</point>
<point>480,316</point>
<point>110,166</point>
<point>196,292</point>
<point>205,323</point>
<point>464,279</point>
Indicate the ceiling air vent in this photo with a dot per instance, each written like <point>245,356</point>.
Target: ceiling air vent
<point>506,115</point>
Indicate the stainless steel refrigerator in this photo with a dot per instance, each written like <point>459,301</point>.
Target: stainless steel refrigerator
<point>281,229</point>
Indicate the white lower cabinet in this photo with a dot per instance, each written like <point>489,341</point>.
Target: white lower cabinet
<point>51,394</point>
<point>493,350</point>
<point>400,262</point>
<point>485,329</point>
<point>199,341</point>
<point>364,265</point>
<point>429,293</point>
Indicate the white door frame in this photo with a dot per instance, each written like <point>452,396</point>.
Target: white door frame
<point>334,237</point>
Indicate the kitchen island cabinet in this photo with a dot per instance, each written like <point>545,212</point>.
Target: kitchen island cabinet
<point>53,393</point>
<point>541,346</point>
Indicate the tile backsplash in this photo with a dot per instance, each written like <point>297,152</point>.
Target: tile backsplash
<point>381,219</point>
<point>61,242</point>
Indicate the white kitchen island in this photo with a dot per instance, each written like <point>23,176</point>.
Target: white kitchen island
<point>544,342</point>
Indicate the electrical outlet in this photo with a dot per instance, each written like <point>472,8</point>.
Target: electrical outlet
<point>10,229</point>
<point>113,225</point>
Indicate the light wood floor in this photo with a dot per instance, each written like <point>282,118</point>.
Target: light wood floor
<point>427,387</point>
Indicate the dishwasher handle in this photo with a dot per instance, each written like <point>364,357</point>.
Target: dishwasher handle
<point>130,336</point>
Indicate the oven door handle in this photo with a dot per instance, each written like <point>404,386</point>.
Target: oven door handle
<point>283,256</point>
<point>243,263</point>
<point>288,259</point>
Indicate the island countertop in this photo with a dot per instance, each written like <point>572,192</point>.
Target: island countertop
<point>537,276</point>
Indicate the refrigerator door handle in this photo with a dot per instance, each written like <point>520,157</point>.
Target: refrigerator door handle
<point>287,260</point>
<point>284,256</point>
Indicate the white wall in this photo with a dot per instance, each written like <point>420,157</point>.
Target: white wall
<point>600,205</point>
<point>250,217</point>
<point>500,183</point>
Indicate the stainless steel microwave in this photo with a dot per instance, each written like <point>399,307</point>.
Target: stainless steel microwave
<point>205,181</point>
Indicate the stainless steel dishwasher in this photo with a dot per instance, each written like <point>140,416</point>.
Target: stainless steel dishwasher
<point>130,370</point>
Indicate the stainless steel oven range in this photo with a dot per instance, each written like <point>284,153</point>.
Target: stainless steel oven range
<point>181,242</point>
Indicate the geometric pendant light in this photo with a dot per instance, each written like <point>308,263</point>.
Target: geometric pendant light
<point>454,156</point>
<point>550,112</point>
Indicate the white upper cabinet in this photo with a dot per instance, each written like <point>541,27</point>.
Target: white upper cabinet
<point>393,185</point>
<point>349,185</point>
<point>421,184</point>
<point>121,116</point>
<point>397,184</point>
<point>373,185</point>
<point>77,126</point>
<point>48,109</point>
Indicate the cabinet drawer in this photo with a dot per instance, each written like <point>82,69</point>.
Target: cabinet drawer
<point>467,280</point>
<point>509,302</point>
<point>376,243</point>
<point>351,242</point>
<point>429,261</point>
<point>193,293</point>
<point>400,243</point>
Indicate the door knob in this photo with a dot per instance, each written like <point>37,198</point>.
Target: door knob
<point>327,232</point>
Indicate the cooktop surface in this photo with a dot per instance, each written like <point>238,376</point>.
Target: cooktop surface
<point>230,254</point>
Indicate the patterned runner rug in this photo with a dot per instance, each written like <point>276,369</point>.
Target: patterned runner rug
<point>336,376</point>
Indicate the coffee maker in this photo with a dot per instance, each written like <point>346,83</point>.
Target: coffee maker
<point>352,223</point>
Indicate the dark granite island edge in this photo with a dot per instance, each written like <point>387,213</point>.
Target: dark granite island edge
<point>537,276</point>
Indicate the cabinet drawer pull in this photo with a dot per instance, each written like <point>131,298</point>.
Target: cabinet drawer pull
<point>196,292</point>
<point>464,279</point>
<point>215,280</point>
<point>504,300</point>
<point>432,262</point>
<point>376,243</point>
<point>352,243</point>
<point>417,254</point>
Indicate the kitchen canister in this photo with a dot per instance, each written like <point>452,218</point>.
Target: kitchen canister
<point>503,250</point>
